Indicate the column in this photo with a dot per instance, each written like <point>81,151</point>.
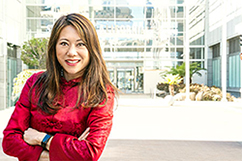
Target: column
<point>187,54</point>
<point>240,43</point>
<point>224,53</point>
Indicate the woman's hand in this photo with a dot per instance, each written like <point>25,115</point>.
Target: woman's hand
<point>33,137</point>
<point>84,134</point>
<point>44,156</point>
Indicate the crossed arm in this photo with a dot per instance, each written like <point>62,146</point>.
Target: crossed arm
<point>34,137</point>
<point>18,141</point>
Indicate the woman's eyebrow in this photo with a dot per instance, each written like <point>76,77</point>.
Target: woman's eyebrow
<point>79,40</point>
<point>68,40</point>
<point>64,39</point>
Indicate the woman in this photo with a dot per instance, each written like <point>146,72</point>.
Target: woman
<point>64,113</point>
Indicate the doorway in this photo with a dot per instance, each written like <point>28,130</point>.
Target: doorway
<point>125,79</point>
<point>13,68</point>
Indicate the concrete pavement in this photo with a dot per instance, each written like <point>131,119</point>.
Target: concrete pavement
<point>170,150</point>
<point>150,129</point>
<point>154,120</point>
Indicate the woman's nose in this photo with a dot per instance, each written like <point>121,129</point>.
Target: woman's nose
<point>72,51</point>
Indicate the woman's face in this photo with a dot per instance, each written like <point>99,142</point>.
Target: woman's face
<point>71,52</point>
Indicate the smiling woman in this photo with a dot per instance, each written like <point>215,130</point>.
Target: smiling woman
<point>64,113</point>
<point>71,52</point>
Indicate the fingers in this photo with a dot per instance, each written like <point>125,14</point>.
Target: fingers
<point>44,156</point>
<point>84,134</point>
<point>32,136</point>
<point>30,130</point>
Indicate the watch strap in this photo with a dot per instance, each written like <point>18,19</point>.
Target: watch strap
<point>45,140</point>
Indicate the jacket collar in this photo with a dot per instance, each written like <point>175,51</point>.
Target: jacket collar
<point>72,82</point>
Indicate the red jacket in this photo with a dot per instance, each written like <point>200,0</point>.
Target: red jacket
<point>66,126</point>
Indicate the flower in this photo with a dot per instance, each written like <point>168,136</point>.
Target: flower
<point>171,79</point>
<point>18,83</point>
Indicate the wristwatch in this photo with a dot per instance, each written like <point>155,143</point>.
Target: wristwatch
<point>45,140</point>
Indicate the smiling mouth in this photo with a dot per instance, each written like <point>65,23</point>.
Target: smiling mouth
<point>72,61</point>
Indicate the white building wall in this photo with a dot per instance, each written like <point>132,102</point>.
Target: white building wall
<point>233,12</point>
<point>234,20</point>
<point>215,22</point>
<point>11,31</point>
<point>151,79</point>
<point>2,57</point>
<point>14,21</point>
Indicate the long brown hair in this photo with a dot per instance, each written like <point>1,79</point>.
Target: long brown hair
<point>95,78</point>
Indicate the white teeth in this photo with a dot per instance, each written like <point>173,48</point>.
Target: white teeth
<point>72,62</point>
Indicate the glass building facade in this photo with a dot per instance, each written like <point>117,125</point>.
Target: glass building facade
<point>139,38</point>
<point>136,36</point>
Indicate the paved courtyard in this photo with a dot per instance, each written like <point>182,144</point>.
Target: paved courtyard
<point>148,129</point>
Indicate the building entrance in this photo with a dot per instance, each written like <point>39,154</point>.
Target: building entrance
<point>126,79</point>
<point>12,71</point>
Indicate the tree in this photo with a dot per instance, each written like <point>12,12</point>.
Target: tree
<point>33,52</point>
<point>181,71</point>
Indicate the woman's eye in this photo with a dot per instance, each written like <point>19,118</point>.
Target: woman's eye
<point>80,44</point>
<point>63,43</point>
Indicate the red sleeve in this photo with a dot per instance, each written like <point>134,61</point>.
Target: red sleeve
<point>13,143</point>
<point>67,147</point>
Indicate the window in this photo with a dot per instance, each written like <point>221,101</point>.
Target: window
<point>234,63</point>
<point>216,51</point>
<point>216,65</point>
<point>11,70</point>
<point>234,71</point>
<point>196,53</point>
<point>234,46</point>
<point>217,72</point>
